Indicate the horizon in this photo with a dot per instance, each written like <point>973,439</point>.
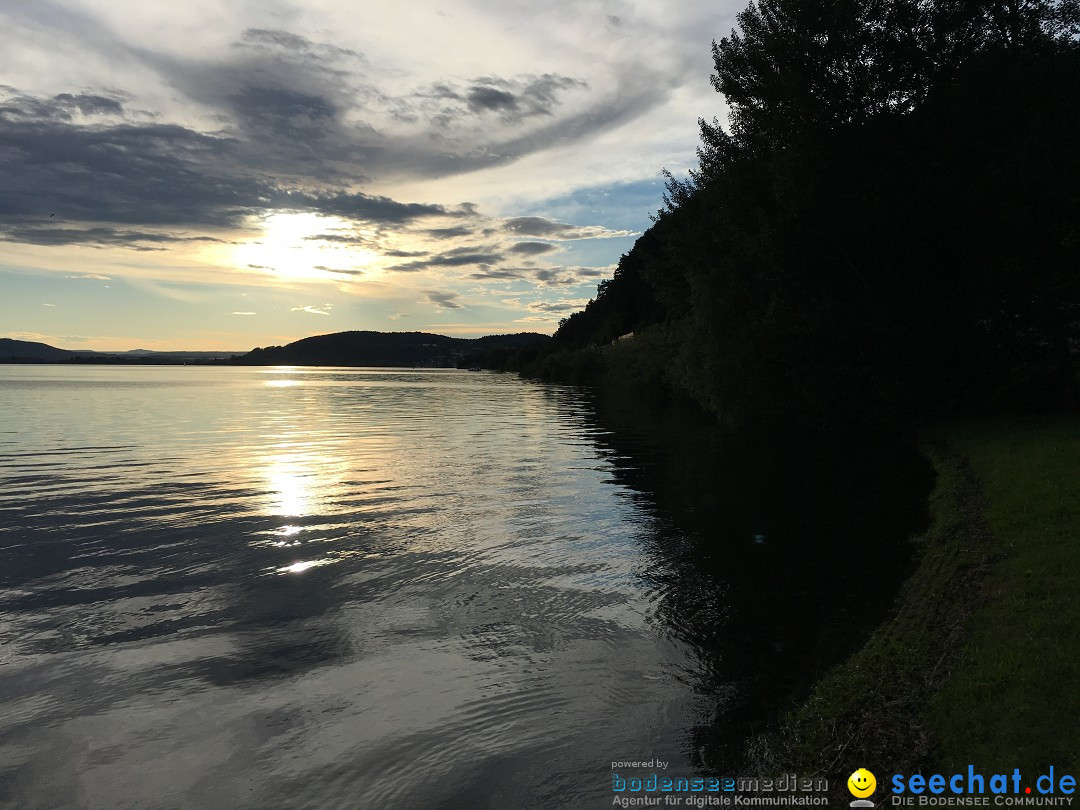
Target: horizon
<point>249,349</point>
<point>197,177</point>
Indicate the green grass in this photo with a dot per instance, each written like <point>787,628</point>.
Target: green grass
<point>980,660</point>
<point>1014,696</point>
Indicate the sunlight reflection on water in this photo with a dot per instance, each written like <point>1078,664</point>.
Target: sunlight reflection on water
<point>382,588</point>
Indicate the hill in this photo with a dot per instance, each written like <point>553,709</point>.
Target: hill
<point>30,351</point>
<point>420,349</point>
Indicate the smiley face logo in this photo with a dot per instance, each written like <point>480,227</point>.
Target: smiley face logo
<point>861,783</point>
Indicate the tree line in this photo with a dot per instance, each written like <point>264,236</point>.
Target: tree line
<point>885,228</point>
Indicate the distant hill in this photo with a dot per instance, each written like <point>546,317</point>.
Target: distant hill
<point>30,351</point>
<point>419,349</point>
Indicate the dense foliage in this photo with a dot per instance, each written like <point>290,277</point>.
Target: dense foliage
<point>887,227</point>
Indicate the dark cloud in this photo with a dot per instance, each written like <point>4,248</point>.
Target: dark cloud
<point>449,233</point>
<point>512,100</point>
<point>550,229</point>
<point>536,226</point>
<point>552,276</point>
<point>633,95</point>
<point>287,114</point>
<point>459,257</point>
<point>339,238</point>
<point>138,174</point>
<point>498,273</point>
<point>292,112</point>
<point>446,300</point>
<point>489,98</point>
<point>555,307</point>
<point>286,98</point>
<point>339,270</point>
<point>62,107</point>
<point>518,98</point>
<point>540,93</point>
<point>356,206</point>
<point>94,237</point>
<point>533,248</point>
<point>565,276</point>
<point>135,174</point>
<point>270,39</point>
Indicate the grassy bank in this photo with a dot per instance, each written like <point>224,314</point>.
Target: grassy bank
<point>1013,696</point>
<point>980,659</point>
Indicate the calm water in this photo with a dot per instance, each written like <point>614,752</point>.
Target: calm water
<point>393,588</point>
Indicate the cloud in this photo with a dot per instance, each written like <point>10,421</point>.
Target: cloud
<point>95,237</point>
<point>480,97</point>
<point>313,310</point>
<point>190,130</point>
<point>458,257</point>
<point>550,229</point>
<point>445,300</point>
<point>243,313</point>
<point>60,107</point>
<point>129,173</point>
<point>550,276</point>
<point>94,276</point>
<point>449,233</point>
<point>516,98</point>
<point>533,248</point>
<point>355,206</point>
<point>498,274</point>
<point>548,307</point>
<point>271,39</point>
<point>280,110</point>
<point>556,307</point>
<point>134,173</point>
<point>449,103</point>
<point>545,319</point>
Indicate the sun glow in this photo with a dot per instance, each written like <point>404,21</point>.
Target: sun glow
<point>291,485</point>
<point>290,249</point>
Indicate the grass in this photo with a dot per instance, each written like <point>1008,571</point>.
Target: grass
<point>1014,696</point>
<point>980,660</point>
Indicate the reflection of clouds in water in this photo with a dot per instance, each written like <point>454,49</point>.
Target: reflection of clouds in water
<point>483,599</point>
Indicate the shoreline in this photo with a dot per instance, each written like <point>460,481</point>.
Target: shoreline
<point>927,690</point>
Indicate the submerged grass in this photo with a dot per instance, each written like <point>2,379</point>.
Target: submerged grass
<point>979,662</point>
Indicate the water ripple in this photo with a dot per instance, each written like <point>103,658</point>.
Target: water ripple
<point>388,588</point>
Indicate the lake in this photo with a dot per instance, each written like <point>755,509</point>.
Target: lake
<point>319,587</point>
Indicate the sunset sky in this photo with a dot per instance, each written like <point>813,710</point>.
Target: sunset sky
<point>224,175</point>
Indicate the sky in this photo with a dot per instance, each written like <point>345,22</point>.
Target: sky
<point>212,175</point>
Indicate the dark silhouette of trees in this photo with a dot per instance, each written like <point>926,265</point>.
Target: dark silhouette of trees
<point>886,228</point>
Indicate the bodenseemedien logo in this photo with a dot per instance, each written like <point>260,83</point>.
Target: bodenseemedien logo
<point>861,783</point>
